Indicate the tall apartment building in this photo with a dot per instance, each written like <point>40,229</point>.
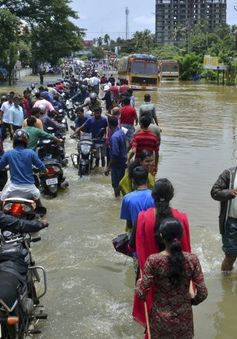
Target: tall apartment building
<point>175,16</point>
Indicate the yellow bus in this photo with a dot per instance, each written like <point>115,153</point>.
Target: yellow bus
<point>140,71</point>
<point>168,70</point>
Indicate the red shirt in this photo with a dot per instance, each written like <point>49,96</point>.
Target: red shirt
<point>26,106</point>
<point>128,115</point>
<point>124,88</point>
<point>145,140</point>
<point>115,92</point>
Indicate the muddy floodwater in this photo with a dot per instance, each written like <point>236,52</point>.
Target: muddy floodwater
<point>90,286</point>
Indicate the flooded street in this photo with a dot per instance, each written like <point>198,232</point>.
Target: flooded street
<point>90,286</point>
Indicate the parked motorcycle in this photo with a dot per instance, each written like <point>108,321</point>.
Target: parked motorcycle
<point>20,308</point>
<point>70,110</point>
<point>88,150</point>
<point>84,158</point>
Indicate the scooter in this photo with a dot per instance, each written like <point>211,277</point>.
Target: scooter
<point>53,179</point>
<point>23,208</point>
<point>52,156</point>
<point>48,149</point>
<point>20,308</point>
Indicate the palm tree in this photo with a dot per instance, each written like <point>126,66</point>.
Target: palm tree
<point>107,39</point>
<point>144,41</point>
<point>100,41</point>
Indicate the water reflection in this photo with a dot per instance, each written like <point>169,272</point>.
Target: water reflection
<point>224,317</point>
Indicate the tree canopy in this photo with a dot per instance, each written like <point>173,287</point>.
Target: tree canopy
<point>51,32</point>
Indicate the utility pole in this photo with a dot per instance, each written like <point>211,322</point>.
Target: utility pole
<point>126,13</point>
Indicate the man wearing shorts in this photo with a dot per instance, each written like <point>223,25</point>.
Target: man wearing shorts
<point>225,191</point>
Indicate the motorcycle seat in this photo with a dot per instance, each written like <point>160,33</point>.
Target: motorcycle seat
<point>9,286</point>
<point>48,162</point>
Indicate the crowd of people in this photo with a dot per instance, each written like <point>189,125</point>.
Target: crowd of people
<point>169,278</point>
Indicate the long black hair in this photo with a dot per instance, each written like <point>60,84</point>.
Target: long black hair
<point>162,193</point>
<point>171,231</point>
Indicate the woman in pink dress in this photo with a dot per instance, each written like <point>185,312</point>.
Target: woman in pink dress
<point>170,273</point>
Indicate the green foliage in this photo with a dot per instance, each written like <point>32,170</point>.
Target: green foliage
<point>24,53</point>
<point>127,47</point>
<point>231,72</point>
<point>52,34</point>
<point>8,37</point>
<point>100,41</point>
<point>190,66</point>
<point>8,32</point>
<point>106,39</point>
<point>209,74</point>
<point>143,41</point>
<point>167,52</point>
<point>97,52</point>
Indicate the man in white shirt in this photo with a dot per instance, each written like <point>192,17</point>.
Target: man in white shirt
<point>16,114</point>
<point>5,116</point>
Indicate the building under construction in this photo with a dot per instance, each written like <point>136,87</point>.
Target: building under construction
<point>176,18</point>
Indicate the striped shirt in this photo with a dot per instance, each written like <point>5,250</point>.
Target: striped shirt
<point>145,140</point>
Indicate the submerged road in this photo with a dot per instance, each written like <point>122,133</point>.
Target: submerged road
<point>90,286</point>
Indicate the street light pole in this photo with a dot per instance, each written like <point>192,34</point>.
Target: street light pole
<point>126,13</point>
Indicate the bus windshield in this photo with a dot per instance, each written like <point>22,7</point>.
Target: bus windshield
<point>141,67</point>
<point>170,68</point>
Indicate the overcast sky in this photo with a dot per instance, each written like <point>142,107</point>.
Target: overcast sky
<point>108,16</point>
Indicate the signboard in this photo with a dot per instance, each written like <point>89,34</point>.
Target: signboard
<point>210,62</point>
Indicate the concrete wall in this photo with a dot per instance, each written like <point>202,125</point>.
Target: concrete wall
<point>23,72</point>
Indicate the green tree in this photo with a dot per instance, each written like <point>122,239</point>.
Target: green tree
<point>24,53</point>
<point>107,39</point>
<point>8,37</point>
<point>191,65</point>
<point>144,41</point>
<point>167,52</point>
<point>100,41</point>
<point>53,35</point>
<point>97,52</point>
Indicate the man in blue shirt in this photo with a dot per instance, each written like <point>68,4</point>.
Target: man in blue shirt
<point>118,155</point>
<point>96,125</point>
<point>80,119</point>
<point>20,160</point>
<point>139,200</point>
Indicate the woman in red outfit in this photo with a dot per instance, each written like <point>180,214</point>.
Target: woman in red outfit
<point>171,272</point>
<point>148,224</point>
